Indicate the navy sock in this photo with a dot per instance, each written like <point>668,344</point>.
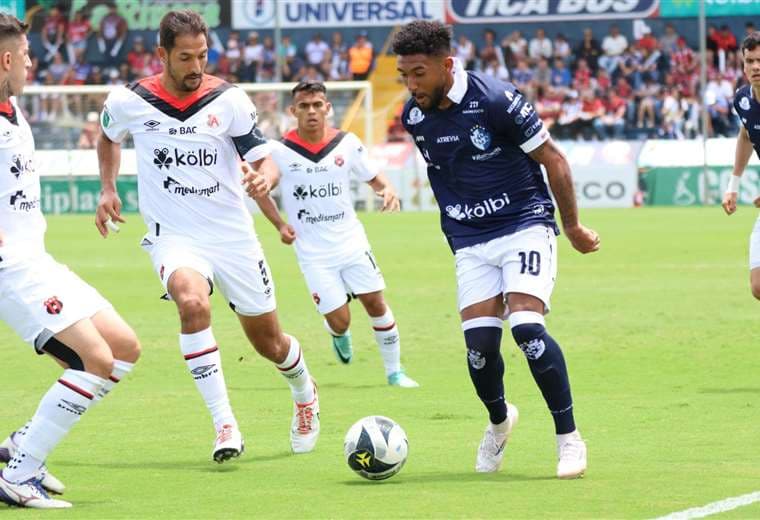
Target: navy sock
<point>483,338</point>
<point>547,364</point>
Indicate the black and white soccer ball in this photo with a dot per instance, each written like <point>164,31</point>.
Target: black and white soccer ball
<point>376,447</point>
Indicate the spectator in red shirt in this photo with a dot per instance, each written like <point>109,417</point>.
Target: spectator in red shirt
<point>77,33</point>
<point>138,59</point>
<point>53,31</point>
<point>582,77</point>
<point>725,42</point>
<point>612,122</point>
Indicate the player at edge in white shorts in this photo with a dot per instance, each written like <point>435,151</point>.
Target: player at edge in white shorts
<point>190,131</point>
<point>315,163</point>
<point>747,105</point>
<point>48,305</point>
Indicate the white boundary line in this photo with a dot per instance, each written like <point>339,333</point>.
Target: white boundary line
<point>721,506</point>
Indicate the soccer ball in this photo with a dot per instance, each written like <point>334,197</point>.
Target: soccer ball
<point>376,447</point>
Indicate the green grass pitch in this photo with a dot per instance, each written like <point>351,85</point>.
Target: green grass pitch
<point>659,330</point>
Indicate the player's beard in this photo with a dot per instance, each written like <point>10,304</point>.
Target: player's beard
<point>6,91</point>
<point>436,97</point>
<point>182,83</point>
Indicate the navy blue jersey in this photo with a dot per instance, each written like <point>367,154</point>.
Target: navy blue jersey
<point>486,184</point>
<point>748,109</point>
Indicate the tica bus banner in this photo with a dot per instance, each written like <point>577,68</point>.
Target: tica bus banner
<point>501,11</point>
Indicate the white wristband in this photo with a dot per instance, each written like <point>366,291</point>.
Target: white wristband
<point>733,184</point>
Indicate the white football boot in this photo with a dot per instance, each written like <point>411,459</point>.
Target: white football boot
<point>571,452</point>
<point>28,494</point>
<point>228,444</point>
<point>304,428</point>
<point>491,449</point>
<point>49,482</point>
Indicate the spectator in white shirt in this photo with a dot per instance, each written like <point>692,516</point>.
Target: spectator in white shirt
<point>318,53</point>
<point>465,51</point>
<point>253,55</point>
<point>613,46</point>
<point>540,46</point>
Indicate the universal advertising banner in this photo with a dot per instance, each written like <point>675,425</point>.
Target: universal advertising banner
<point>259,14</point>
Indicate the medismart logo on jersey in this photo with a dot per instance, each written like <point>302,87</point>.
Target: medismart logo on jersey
<point>20,202</point>
<point>479,210</point>
<point>201,157</point>
<point>322,191</point>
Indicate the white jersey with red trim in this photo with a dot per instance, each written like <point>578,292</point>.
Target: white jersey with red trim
<point>188,155</point>
<point>22,224</point>
<point>315,189</point>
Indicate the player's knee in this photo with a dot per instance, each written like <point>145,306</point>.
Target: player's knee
<point>339,324</point>
<point>376,306</point>
<point>193,308</point>
<point>127,348</point>
<point>98,361</point>
<point>755,286</point>
<point>482,335</point>
<point>528,331</point>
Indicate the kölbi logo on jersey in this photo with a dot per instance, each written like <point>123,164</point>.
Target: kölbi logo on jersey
<point>201,157</point>
<point>303,191</point>
<point>479,210</point>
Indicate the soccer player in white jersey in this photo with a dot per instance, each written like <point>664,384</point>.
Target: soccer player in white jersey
<point>49,306</point>
<point>190,132</point>
<point>747,105</point>
<point>315,164</point>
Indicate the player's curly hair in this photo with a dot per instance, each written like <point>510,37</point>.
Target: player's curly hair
<point>423,37</point>
<point>750,42</point>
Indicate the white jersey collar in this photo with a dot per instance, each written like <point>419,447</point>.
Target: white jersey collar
<point>459,87</point>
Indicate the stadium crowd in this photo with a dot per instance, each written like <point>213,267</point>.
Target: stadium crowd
<point>600,87</point>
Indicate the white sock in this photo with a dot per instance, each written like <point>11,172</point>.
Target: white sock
<point>59,410</point>
<point>120,369</point>
<point>562,438</point>
<point>387,338</point>
<point>205,363</point>
<point>297,373</point>
<point>331,331</point>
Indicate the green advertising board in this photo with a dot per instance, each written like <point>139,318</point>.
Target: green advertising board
<point>81,194</point>
<point>693,186</point>
<point>689,8</point>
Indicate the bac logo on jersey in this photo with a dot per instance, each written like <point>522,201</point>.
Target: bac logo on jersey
<point>415,116</point>
<point>339,161</point>
<point>53,305</point>
<point>480,138</point>
<point>151,125</point>
<point>183,130</point>
<point>744,103</point>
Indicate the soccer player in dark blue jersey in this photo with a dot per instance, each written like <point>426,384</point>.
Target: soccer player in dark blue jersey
<point>484,145</point>
<point>747,105</point>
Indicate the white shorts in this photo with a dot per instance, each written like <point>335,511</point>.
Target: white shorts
<point>41,297</point>
<point>329,285</point>
<point>523,262</point>
<point>754,246</point>
<point>239,270</point>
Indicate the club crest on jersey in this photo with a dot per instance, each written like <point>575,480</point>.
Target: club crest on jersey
<point>162,159</point>
<point>744,103</point>
<point>339,161</point>
<point>213,121</point>
<point>19,165</point>
<point>316,298</point>
<point>53,305</point>
<point>415,116</point>
<point>480,138</point>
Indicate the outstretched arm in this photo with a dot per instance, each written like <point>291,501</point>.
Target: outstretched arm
<point>743,153</point>
<point>583,239</point>
<point>383,188</point>
<point>259,177</point>
<point>109,206</point>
